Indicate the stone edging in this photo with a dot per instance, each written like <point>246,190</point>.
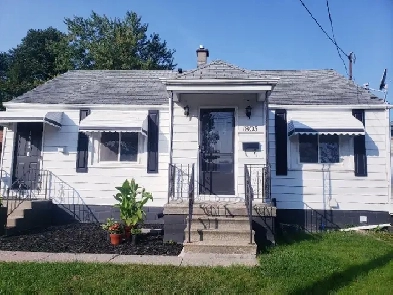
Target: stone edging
<point>181,260</point>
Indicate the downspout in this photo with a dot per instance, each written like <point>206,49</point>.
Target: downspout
<point>2,160</point>
<point>170,127</point>
<point>267,146</point>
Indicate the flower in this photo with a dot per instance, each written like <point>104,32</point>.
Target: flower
<point>113,227</point>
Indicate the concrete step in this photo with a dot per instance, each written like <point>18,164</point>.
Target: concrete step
<point>219,209</point>
<point>20,205</point>
<point>28,214</point>
<point>220,248</point>
<point>221,223</point>
<point>219,236</point>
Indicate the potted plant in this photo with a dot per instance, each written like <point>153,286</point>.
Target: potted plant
<point>136,233</point>
<point>131,199</point>
<point>115,230</point>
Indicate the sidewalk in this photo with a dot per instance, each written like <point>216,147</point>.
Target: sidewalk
<point>181,260</point>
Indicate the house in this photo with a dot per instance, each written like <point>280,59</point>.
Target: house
<point>307,147</point>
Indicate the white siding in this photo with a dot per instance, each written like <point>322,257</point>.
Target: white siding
<point>97,187</point>
<point>186,130</point>
<point>313,186</point>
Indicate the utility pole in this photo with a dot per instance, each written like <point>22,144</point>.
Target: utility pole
<point>350,65</point>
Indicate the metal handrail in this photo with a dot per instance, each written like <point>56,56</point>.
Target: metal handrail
<point>248,198</point>
<point>66,196</point>
<point>190,201</point>
<point>20,190</point>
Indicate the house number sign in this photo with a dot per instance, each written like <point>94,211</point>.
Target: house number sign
<point>250,128</point>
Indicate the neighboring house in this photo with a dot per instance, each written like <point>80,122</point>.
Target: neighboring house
<point>325,139</point>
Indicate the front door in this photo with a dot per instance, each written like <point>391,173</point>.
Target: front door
<point>27,153</point>
<point>216,152</point>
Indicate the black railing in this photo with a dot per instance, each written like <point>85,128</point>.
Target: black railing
<point>179,178</point>
<point>191,197</point>
<point>259,179</point>
<point>67,198</point>
<point>27,187</point>
<point>44,185</point>
<point>249,196</point>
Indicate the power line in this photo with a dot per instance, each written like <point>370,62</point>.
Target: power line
<point>334,37</point>
<point>309,12</point>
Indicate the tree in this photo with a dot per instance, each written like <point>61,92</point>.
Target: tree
<point>99,42</point>
<point>31,63</point>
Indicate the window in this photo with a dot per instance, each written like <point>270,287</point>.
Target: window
<point>319,149</point>
<point>119,146</point>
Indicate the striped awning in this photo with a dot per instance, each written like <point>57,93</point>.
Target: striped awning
<point>328,123</point>
<point>51,118</point>
<point>104,121</point>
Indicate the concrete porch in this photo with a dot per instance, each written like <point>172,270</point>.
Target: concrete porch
<point>219,227</point>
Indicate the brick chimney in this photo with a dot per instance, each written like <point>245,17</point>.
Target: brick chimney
<point>202,55</point>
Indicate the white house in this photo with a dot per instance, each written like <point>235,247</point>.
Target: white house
<point>313,144</point>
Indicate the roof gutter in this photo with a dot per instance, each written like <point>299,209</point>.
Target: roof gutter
<point>330,107</point>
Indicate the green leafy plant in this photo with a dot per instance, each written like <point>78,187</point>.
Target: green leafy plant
<point>136,231</point>
<point>112,226</point>
<point>132,198</point>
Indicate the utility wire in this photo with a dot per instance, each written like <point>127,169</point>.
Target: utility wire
<point>309,12</point>
<point>334,37</point>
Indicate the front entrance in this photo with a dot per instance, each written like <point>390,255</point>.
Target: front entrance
<point>216,152</point>
<point>27,153</point>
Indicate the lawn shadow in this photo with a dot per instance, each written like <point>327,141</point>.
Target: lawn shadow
<point>288,234</point>
<point>338,280</point>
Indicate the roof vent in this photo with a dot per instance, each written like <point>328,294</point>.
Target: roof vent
<point>180,70</point>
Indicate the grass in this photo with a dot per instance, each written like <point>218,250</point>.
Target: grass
<point>337,262</point>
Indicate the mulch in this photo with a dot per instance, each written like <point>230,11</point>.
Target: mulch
<point>87,238</point>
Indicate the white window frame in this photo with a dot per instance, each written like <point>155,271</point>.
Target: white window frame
<point>346,162</point>
<point>95,152</point>
<point>319,155</point>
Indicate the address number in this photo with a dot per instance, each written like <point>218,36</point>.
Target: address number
<point>250,128</point>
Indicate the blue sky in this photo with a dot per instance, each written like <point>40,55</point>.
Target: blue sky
<point>254,34</point>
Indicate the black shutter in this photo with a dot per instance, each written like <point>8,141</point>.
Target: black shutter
<point>359,145</point>
<point>281,136</point>
<point>152,141</point>
<point>82,155</point>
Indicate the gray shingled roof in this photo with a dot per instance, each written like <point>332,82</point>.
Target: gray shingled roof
<point>219,69</point>
<point>144,86</point>
<point>101,87</point>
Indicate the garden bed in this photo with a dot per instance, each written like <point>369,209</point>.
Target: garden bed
<point>87,238</point>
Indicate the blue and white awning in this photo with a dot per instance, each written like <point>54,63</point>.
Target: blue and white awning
<point>327,123</point>
<point>105,121</point>
<point>51,118</point>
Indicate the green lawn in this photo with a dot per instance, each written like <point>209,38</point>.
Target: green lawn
<point>344,263</point>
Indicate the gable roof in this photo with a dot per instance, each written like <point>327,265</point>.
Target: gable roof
<point>219,69</point>
<point>138,87</point>
<point>318,87</point>
<point>101,87</point>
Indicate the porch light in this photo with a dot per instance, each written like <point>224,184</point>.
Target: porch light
<point>186,110</point>
<point>248,111</point>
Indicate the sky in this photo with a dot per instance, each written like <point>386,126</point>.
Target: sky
<point>253,34</point>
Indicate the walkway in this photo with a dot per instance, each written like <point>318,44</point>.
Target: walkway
<point>181,260</point>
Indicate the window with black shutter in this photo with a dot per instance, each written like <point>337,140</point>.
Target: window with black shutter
<point>152,141</point>
<point>359,144</point>
<point>82,155</point>
<point>281,137</point>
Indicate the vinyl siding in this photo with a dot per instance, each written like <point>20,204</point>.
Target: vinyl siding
<point>312,186</point>
<point>97,187</point>
<point>186,131</point>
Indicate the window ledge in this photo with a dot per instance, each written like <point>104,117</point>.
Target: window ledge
<point>118,165</point>
<point>322,167</point>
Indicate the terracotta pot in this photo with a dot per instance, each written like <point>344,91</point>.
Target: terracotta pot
<point>115,239</point>
<point>127,233</point>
